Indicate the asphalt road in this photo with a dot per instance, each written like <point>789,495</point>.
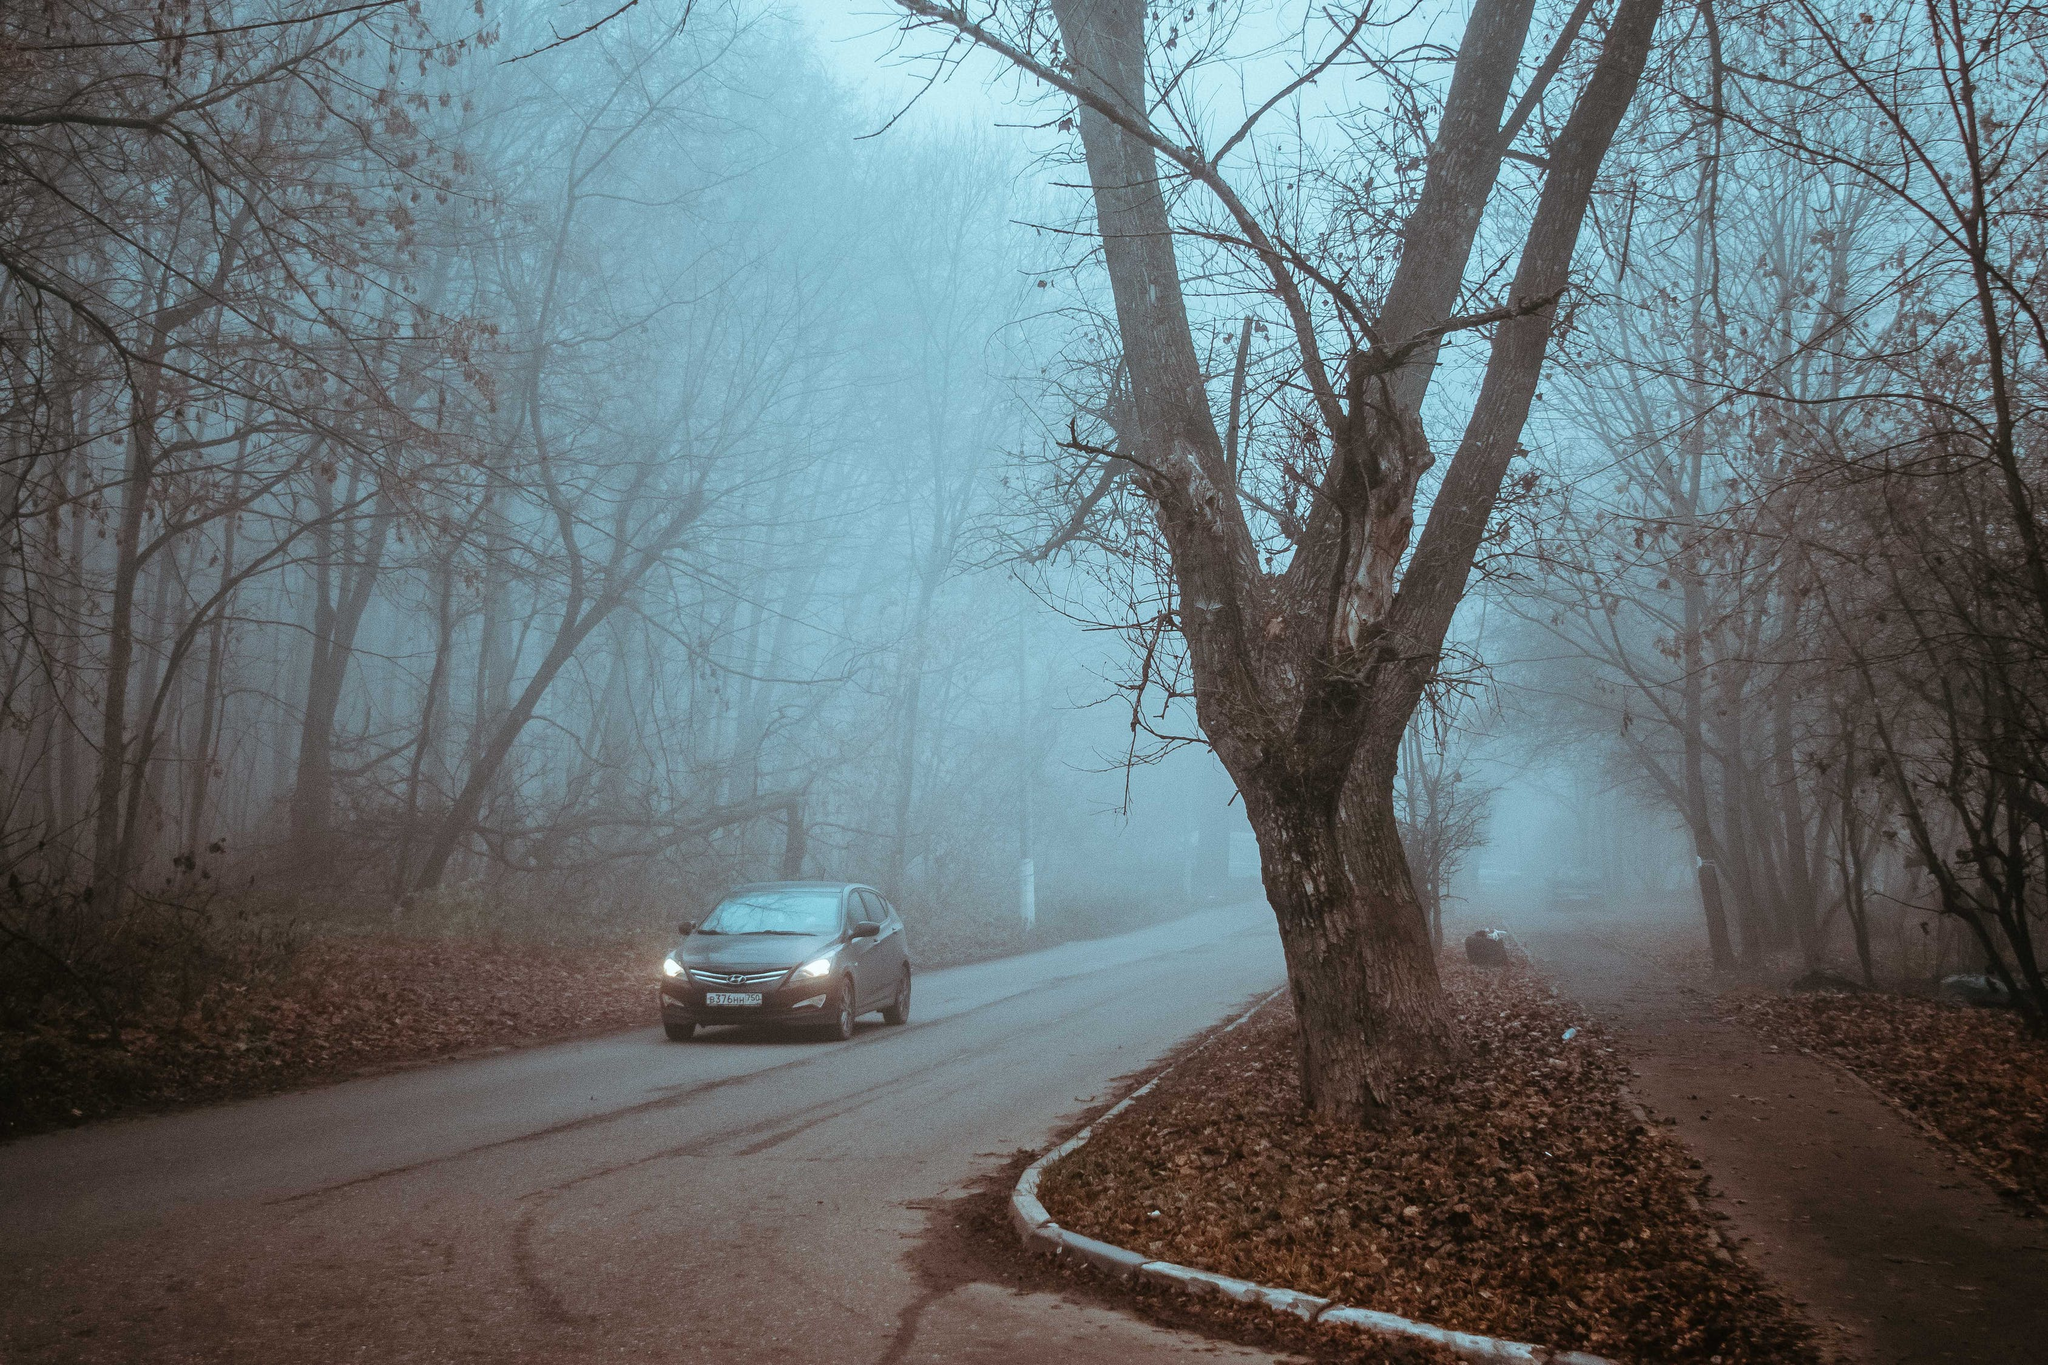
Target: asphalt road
<point>739,1198</point>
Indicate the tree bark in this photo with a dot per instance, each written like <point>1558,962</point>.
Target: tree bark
<point>1305,679</point>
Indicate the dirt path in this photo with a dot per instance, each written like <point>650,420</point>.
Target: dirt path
<point>1895,1252</point>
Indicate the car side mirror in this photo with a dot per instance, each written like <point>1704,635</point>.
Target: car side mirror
<point>866,928</point>
<point>685,927</point>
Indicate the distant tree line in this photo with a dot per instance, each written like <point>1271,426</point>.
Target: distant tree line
<point>432,456</point>
<point>1797,549</point>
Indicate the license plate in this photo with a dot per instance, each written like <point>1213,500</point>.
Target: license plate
<point>732,997</point>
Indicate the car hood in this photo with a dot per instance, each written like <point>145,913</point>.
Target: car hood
<point>759,952</point>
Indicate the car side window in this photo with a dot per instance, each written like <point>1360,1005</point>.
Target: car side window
<point>872,907</point>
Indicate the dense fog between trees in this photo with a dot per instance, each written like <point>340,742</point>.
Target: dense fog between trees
<point>524,468</point>
<point>574,482</point>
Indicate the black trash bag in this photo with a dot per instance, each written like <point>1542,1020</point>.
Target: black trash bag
<point>1821,979</point>
<point>1987,991</point>
<point>1493,948</point>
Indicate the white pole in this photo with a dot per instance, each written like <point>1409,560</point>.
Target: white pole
<point>1027,878</point>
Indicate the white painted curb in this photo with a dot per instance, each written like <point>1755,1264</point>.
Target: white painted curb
<point>1037,1230</point>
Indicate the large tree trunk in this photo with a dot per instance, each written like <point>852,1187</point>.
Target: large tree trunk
<point>1403,998</point>
<point>1305,679</point>
<point>1362,1017</point>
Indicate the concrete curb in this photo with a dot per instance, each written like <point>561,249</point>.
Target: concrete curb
<point>1038,1232</point>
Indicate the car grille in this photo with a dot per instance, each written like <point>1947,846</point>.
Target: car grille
<point>737,978</point>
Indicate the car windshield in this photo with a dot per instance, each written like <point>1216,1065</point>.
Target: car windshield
<point>808,911</point>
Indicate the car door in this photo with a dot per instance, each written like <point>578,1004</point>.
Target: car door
<point>886,960</point>
<point>873,977</point>
<point>859,951</point>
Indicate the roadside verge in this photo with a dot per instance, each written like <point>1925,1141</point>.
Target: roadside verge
<point>1518,1196</point>
<point>1970,1079</point>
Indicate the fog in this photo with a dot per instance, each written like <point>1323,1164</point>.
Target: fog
<point>529,466</point>
<point>594,489</point>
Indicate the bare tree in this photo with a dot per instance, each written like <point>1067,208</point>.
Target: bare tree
<point>1305,676</point>
<point>1442,810</point>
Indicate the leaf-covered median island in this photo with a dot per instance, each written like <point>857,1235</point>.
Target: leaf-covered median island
<point>1972,1076</point>
<point>1517,1194</point>
<point>323,1011</point>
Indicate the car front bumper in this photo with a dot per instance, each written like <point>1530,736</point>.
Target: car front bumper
<point>798,1002</point>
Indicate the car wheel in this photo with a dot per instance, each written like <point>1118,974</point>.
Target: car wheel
<point>840,1022</point>
<point>678,1033</point>
<point>898,1010</point>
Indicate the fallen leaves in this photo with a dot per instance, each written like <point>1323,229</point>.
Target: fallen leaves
<point>1518,1195</point>
<point>342,1005</point>
<point>1971,1076</point>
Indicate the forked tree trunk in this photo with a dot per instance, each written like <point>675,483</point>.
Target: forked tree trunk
<point>1305,678</point>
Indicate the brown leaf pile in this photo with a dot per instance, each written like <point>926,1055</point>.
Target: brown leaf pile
<point>342,1006</point>
<point>1972,1076</point>
<point>1517,1195</point>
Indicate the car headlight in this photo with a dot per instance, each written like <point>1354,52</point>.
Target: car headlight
<point>671,967</point>
<point>816,967</point>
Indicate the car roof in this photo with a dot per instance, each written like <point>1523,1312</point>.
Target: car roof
<point>794,886</point>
